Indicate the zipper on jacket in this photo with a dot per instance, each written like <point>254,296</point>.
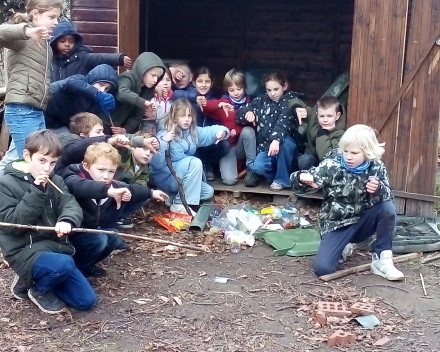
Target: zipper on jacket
<point>45,73</point>
<point>30,239</point>
<point>99,214</point>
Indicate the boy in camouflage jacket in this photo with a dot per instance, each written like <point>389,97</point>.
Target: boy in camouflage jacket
<point>358,202</point>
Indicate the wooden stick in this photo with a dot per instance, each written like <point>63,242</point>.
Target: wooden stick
<point>111,121</point>
<point>423,284</point>
<point>54,186</point>
<point>78,229</point>
<point>365,267</point>
<point>430,258</point>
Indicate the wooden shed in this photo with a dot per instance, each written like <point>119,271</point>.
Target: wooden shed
<point>388,47</point>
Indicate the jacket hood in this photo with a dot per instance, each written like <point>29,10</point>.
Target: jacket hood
<point>103,73</point>
<point>65,28</point>
<point>144,62</point>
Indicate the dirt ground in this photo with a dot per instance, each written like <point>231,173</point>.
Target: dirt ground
<point>154,299</point>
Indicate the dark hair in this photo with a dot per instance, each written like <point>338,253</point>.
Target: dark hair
<point>83,122</point>
<point>327,101</point>
<point>201,71</point>
<point>45,142</point>
<point>275,76</point>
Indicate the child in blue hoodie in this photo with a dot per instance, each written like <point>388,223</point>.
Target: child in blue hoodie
<point>71,57</point>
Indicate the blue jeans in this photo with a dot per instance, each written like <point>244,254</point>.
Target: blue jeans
<point>91,248</point>
<point>306,161</point>
<point>380,219</point>
<point>212,154</point>
<point>276,168</point>
<point>22,120</point>
<point>57,272</point>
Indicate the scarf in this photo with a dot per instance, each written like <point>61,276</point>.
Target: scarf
<point>236,103</point>
<point>358,169</point>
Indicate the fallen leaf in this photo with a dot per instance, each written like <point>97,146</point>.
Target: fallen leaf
<point>163,298</point>
<point>265,316</point>
<point>141,300</point>
<point>209,240</point>
<point>382,341</point>
<point>178,300</point>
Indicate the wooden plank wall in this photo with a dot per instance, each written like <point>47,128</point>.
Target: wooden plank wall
<point>96,21</point>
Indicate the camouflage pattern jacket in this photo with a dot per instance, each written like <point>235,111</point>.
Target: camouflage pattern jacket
<point>345,196</point>
<point>127,172</point>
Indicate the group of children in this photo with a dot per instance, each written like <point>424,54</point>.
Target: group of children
<point>108,141</point>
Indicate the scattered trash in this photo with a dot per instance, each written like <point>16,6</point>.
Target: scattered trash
<point>170,247</point>
<point>221,280</point>
<point>382,341</point>
<point>368,321</point>
<point>174,222</point>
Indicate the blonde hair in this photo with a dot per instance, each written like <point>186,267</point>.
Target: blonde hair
<point>101,150</point>
<point>234,77</point>
<point>83,122</point>
<point>170,120</point>
<point>365,138</point>
<point>40,5</point>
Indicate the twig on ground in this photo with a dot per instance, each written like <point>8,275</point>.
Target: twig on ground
<point>423,284</point>
<point>287,307</point>
<point>382,285</point>
<point>397,309</point>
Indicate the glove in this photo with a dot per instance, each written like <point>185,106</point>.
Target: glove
<point>106,101</point>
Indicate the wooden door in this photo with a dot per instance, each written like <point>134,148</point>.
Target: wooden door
<point>128,27</point>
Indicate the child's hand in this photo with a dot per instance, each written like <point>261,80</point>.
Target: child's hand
<point>127,61</point>
<point>150,105</point>
<point>226,107</point>
<point>150,114</point>
<point>118,130</point>
<point>41,180</point>
<point>233,132</point>
<point>152,144</point>
<point>159,196</point>
<point>301,113</point>
<point>179,74</point>
<point>106,102</point>
<point>372,185</point>
<point>119,141</point>
<point>36,34</point>
<point>220,136</point>
<point>274,148</point>
<point>165,93</point>
<point>169,137</point>
<point>126,196</point>
<point>119,195</point>
<point>201,100</point>
<point>308,180</point>
<point>250,117</point>
<point>62,228</point>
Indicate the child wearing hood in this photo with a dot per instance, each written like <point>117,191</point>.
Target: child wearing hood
<point>92,93</point>
<point>135,89</point>
<point>71,57</point>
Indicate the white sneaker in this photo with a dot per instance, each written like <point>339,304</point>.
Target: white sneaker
<point>180,208</point>
<point>385,267</point>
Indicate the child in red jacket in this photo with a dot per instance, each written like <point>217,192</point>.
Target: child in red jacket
<point>242,139</point>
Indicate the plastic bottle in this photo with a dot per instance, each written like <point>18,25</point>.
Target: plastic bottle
<point>235,246</point>
<point>240,237</point>
<point>222,224</point>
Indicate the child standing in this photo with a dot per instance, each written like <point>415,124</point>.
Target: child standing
<point>183,137</point>
<point>325,127</point>
<point>71,57</point>
<point>29,60</point>
<point>358,201</point>
<point>274,123</point>
<point>242,139</point>
<point>42,260</point>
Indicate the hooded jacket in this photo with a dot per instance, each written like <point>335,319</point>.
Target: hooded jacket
<point>22,202</point>
<point>131,95</point>
<point>77,94</point>
<point>80,59</point>
<point>28,66</point>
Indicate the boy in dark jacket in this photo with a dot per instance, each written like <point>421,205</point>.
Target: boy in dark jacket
<point>42,260</point>
<point>70,57</point>
<point>103,201</point>
<point>91,93</point>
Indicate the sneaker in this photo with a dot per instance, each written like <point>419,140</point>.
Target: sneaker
<point>251,179</point>
<point>348,251</point>
<point>209,173</point>
<point>94,271</point>
<point>125,223</point>
<point>48,302</point>
<point>179,208</point>
<point>384,266</point>
<point>275,186</point>
<point>18,288</point>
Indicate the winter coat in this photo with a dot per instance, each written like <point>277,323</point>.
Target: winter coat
<point>81,59</point>
<point>163,106</point>
<point>23,202</point>
<point>92,195</point>
<point>212,110</point>
<point>191,94</point>
<point>272,119</point>
<point>28,66</point>
<point>77,94</point>
<point>319,141</point>
<point>345,196</point>
<point>180,149</point>
<point>131,95</point>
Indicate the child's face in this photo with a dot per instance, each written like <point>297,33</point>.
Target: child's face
<point>39,164</point>
<point>103,87</point>
<point>275,90</point>
<point>184,119</point>
<point>353,156</point>
<point>236,92</point>
<point>103,170</point>
<point>65,44</point>
<point>327,117</point>
<point>142,156</point>
<point>203,83</point>
<point>164,86</point>
<point>48,19</point>
<point>150,77</point>
<point>97,130</point>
